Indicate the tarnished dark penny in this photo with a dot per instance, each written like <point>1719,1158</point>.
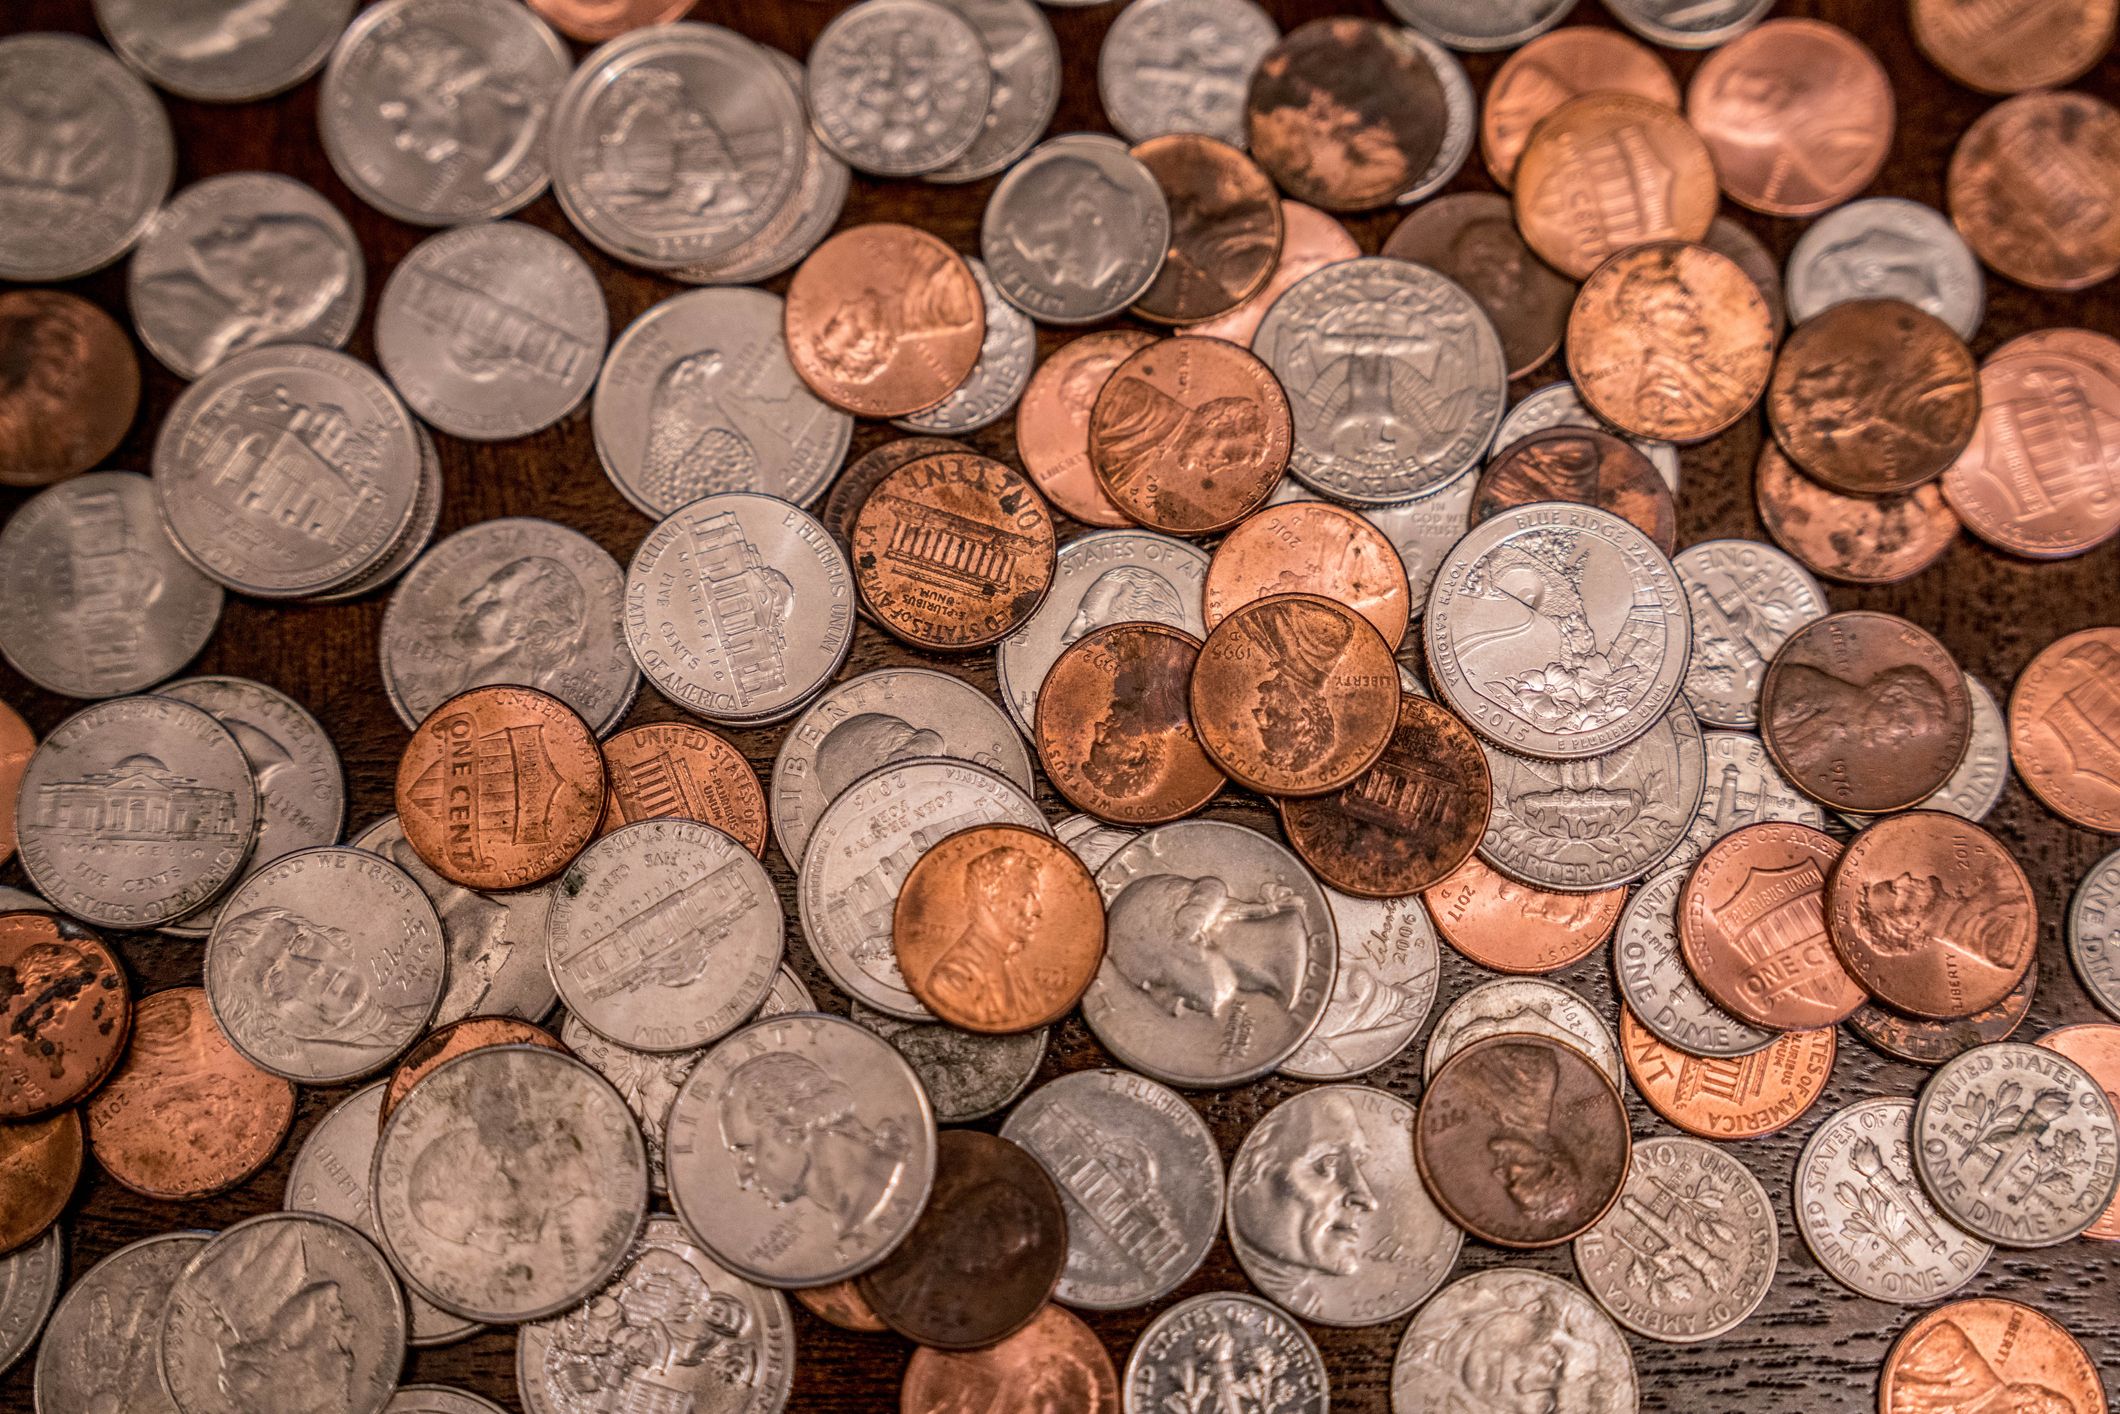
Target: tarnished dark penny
<point>473,1033</point>
<point>1346,113</point>
<point>2037,480</point>
<point>985,1254</point>
<point>884,320</point>
<point>1310,241</point>
<point>1507,926</point>
<point>2065,728</point>
<point>840,1303</point>
<point>1522,1141</point>
<point>1865,712</point>
<point>1798,114</point>
<point>1114,726</point>
<point>1471,236</point>
<point>1972,1357</point>
<point>500,787</point>
<point>1925,1042</point>
<point>1190,435</point>
<point>1054,1365</point>
<point>1407,821</point>
<point>69,385</point>
<point>1310,547</point>
<point>1553,68</point>
<point>1607,171</point>
<point>1874,396</point>
<point>594,21</point>
<point>2031,189</point>
<point>17,743</point>
<point>1855,539</point>
<point>65,1013</point>
<point>676,769</point>
<point>1932,915</point>
<point>40,1162</point>
<point>2096,1047</point>
<point>1225,228</point>
<point>1741,1097</point>
<point>185,1116</point>
<point>1295,695</point>
<point>952,552</point>
<point>842,504</point>
<point>1752,928</point>
<point>1584,465</point>
<point>2032,44</point>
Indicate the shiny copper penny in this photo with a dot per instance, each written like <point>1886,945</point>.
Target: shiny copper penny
<point>500,787</point>
<point>1585,465</point>
<point>2095,1047</point>
<point>1114,726</point>
<point>1311,547</point>
<point>473,1033</point>
<point>1865,712</point>
<point>952,552</point>
<point>1346,113</point>
<point>1607,171</point>
<point>65,1013</point>
<point>185,1116</point>
<point>1797,113</point>
<point>1671,341</point>
<point>999,929</point>
<point>1189,436</point>
<point>1874,397</point>
<point>2029,44</point>
<point>1225,228</point>
<point>2031,189</point>
<point>1752,928</point>
<point>985,1254</point>
<point>1295,695</point>
<point>17,742</point>
<point>1508,926</point>
<point>1855,539</point>
<point>1310,241</point>
<point>2065,728</point>
<point>1926,1042</point>
<point>40,1162</point>
<point>1054,1365</point>
<point>1052,422</point>
<point>69,386</point>
<point>2039,478</point>
<point>594,21</point>
<point>1555,67</point>
<point>844,501</point>
<point>1407,821</point>
<point>841,1304</point>
<point>1471,236</point>
<point>884,320</point>
<point>1988,1356</point>
<point>1736,1098</point>
<point>1522,1141</point>
<point>676,769</point>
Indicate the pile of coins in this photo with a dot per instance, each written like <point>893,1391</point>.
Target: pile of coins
<point>1340,655</point>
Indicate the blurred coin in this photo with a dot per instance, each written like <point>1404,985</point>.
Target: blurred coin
<point>438,1399</point>
<point>1752,926</point>
<point>1855,539</point>
<point>73,400</point>
<point>884,320</point>
<point>1310,547</point>
<point>1747,598</point>
<point>1874,397</point>
<point>217,55</point>
<point>1663,187</point>
<point>1055,1357</point>
<point>446,1043</point>
<point>1382,994</point>
<point>672,769</point>
<point>2095,1047</point>
<point>2024,484</point>
<point>1517,1006</point>
<point>1553,68</point>
<point>2044,44</point>
<point>1704,1209</point>
<point>1345,113</point>
<point>1659,990</point>
<point>841,1305</point>
<point>1461,103</point>
<point>1182,66</point>
<point>42,1160</point>
<point>1559,405</point>
<point>1480,28</point>
<point>1730,238</point>
<point>2019,182</point>
<point>898,87</point>
<point>997,380</point>
<point>1586,466</point>
<point>1203,1346</point>
<point>1189,436</point>
<point>1508,926</point>
<point>1053,422</point>
<point>597,20</point>
<point>1865,1218</point>
<point>1023,60</point>
<point>1310,240</point>
<point>1689,24</point>
<point>1986,1347</point>
<point>953,551</point>
<point>2094,932</point>
<point>967,1076</point>
<point>79,1364</point>
<point>1472,237</point>
<point>1930,1042</point>
<point>65,1014</point>
<point>1729,1097</point>
<point>1886,247</point>
<point>1225,228</point>
<point>1114,726</point>
<point>17,743</point>
<point>647,1081</point>
<point>1797,113</point>
<point>1503,1325</point>
<point>1077,231</point>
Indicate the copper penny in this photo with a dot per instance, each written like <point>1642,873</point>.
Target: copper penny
<point>1346,113</point>
<point>2065,728</point>
<point>1988,1355</point>
<point>1607,171</point>
<point>1471,236</point>
<point>1114,726</point>
<point>1585,465</point>
<point>1052,422</point>
<point>1874,397</point>
<point>999,929</point>
<point>65,1012</point>
<point>841,1304</point>
<point>185,1116</point>
<point>40,1162</point>
<point>1189,436</point>
<point>1507,926</point>
<point>985,1254</point>
<point>843,503</point>
<point>1797,113</point>
<point>17,743</point>
<point>676,769</point>
<point>1728,237</point>
<point>1926,1042</point>
<point>473,1033</point>
<point>594,21</point>
<point>884,320</point>
<point>1407,821</point>
<point>2095,1047</point>
<point>1225,228</point>
<point>1295,695</point>
<point>1729,1098</point>
<point>952,552</point>
<point>500,787</point>
<point>2039,479</point>
<point>1522,1141</point>
<point>1553,68</point>
<point>2030,44</point>
<point>1855,539</point>
<point>1670,340</point>
<point>1310,241</point>
<point>1311,547</point>
<point>1752,928</point>
<point>69,386</point>
<point>1865,712</point>
<point>1054,1365</point>
<point>2031,189</point>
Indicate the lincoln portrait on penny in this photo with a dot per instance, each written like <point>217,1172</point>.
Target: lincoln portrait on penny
<point>980,976</point>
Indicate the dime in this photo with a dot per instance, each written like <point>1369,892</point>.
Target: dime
<point>213,55</point>
<point>598,20</point>
<point>1886,247</point>
<point>1505,925</point>
<point>1798,115</point>
<point>842,1306</point>
<point>1472,238</point>
<point>1689,1251</point>
<point>1077,231</point>
<point>1023,60</point>
<point>2020,487</point>
<point>149,613</point>
<point>1753,929</point>
<point>1976,787</point>
<point>1382,994</point>
<point>1702,25</point>
<point>899,87</point>
<point>73,393</point>
<point>1052,421</point>
<point>1559,405</point>
<point>2046,44</point>
<point>1574,220</point>
<point>1987,1347</point>
<point>843,503</point>
<point>1874,397</point>
<point>1345,113</point>
<point>1747,599</point>
<point>967,1076</point>
<point>1182,66</point>
<point>1481,28</point>
<point>65,1013</point>
<point>438,1399</point>
<point>1550,70</point>
<point>99,1350</point>
<point>1585,465</point>
<point>1729,1097</point>
<point>1189,436</point>
<point>1865,1218</point>
<point>667,770</point>
<point>1460,121</point>
<point>997,380</point>
<point>1225,228</point>
<point>446,1043</point>
<point>1926,1042</point>
<point>1310,241</point>
<point>1487,1334</point>
<point>434,111</point>
<point>953,551</point>
<point>1311,547</point>
<point>2094,932</point>
<point>1208,1349</point>
<point>1515,1006</point>
<point>2096,1048</point>
<point>1055,1357</point>
<point>2017,182</point>
<point>42,1160</point>
<point>884,320</point>
<point>1855,539</point>
<point>1653,980</point>
<point>184,1115</point>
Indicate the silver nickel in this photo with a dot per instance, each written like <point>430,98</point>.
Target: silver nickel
<point>1498,1334</point>
<point>2094,932</point>
<point>1389,965</point>
<point>438,1399</point>
<point>1481,26</point>
<point>1747,599</point>
<point>1661,993</point>
<point>223,53</point>
<point>1215,1350</point>
<point>1867,1220</point>
<point>1076,232</point>
<point>100,1350</point>
<point>967,1076</point>
<point>1091,840</point>
<point>1461,119</point>
<point>1023,60</point>
<point>30,1281</point>
<point>646,1081</point>
<point>1183,66</point>
<point>1743,787</point>
<point>1560,405</point>
<point>426,515</point>
<point>1690,24</point>
<point>1886,247</point>
<point>1510,1006</point>
<point>1003,371</point>
<point>899,87</point>
<point>789,994</point>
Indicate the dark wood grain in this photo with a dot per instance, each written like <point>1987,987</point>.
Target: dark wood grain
<point>1811,1348</point>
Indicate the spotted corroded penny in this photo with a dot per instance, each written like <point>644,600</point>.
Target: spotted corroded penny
<point>1735,1097</point>
<point>1346,113</point>
<point>1114,726</point>
<point>1189,436</point>
<point>65,1013</point>
<point>2031,185</point>
<point>1855,539</point>
<point>1584,465</point>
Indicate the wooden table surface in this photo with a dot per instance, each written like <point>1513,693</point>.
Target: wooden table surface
<point>1812,1347</point>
